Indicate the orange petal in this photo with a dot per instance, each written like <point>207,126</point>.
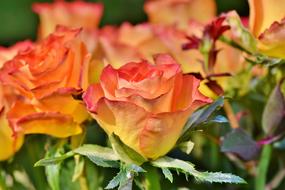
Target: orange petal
<point>92,95</point>
<point>72,14</point>
<point>8,53</point>
<point>263,13</point>
<point>180,12</point>
<point>122,118</point>
<point>160,133</point>
<point>187,94</point>
<point>9,143</point>
<point>25,119</point>
<point>61,56</point>
<point>272,41</point>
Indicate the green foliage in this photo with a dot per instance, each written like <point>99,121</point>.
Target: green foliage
<point>260,181</point>
<point>124,179</point>
<point>126,154</point>
<point>188,169</point>
<point>53,160</point>
<point>240,143</point>
<point>101,156</point>
<point>199,117</point>
<point>274,113</point>
<point>167,174</point>
<point>186,147</point>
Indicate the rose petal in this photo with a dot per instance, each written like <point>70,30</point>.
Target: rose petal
<point>72,14</point>
<point>8,53</point>
<point>263,13</point>
<point>25,119</point>
<point>9,143</point>
<point>180,11</point>
<point>272,41</point>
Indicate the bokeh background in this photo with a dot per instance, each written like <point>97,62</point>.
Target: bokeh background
<point>18,22</point>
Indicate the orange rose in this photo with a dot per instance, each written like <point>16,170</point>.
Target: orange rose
<point>145,105</point>
<point>272,40</point>
<point>263,13</point>
<point>180,12</point>
<point>46,76</point>
<point>8,53</point>
<point>267,23</point>
<point>11,142</point>
<point>134,42</point>
<point>72,14</point>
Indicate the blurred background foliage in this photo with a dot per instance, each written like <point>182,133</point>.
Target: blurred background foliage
<point>18,22</point>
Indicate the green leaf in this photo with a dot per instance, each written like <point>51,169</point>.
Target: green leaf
<point>268,61</point>
<point>188,169</point>
<point>79,167</point>
<point>126,154</point>
<point>95,175</point>
<point>53,170</point>
<point>167,174</point>
<point>186,147</point>
<point>101,156</point>
<point>127,185</point>
<point>66,174</point>
<point>121,176</point>
<point>273,116</point>
<point>53,173</point>
<point>280,144</point>
<point>219,119</point>
<point>55,160</point>
<point>203,114</point>
<point>199,117</point>
<point>124,179</point>
<point>239,142</point>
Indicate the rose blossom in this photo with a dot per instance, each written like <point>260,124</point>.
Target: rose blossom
<point>146,105</point>
<point>11,142</point>
<point>46,76</point>
<point>72,14</point>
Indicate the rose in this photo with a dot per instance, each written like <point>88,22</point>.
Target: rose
<point>267,24</point>
<point>179,12</point>
<point>272,40</point>
<point>263,13</point>
<point>135,42</point>
<point>10,142</point>
<point>8,53</point>
<point>145,105</point>
<point>46,76</point>
<point>72,14</point>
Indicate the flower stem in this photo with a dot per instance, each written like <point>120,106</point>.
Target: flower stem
<point>3,185</point>
<point>234,44</point>
<point>231,115</point>
<point>260,180</point>
<point>152,181</point>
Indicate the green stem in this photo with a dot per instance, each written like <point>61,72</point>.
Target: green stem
<point>152,178</point>
<point>234,44</point>
<point>3,185</point>
<point>260,180</point>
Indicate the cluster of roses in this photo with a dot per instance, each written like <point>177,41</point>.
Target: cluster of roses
<point>134,80</point>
